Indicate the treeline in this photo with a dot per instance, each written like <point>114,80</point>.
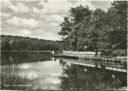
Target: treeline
<point>96,30</point>
<point>19,43</point>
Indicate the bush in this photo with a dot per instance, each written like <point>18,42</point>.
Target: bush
<point>114,53</point>
<point>119,53</point>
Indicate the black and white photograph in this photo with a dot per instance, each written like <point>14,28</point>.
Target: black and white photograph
<point>63,45</point>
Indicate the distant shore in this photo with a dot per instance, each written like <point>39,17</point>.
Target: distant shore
<point>22,51</point>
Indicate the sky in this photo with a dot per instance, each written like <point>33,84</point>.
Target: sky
<point>40,18</point>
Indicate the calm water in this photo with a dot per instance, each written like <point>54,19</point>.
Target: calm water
<point>39,71</point>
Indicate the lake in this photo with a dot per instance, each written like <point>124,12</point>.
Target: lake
<point>41,71</point>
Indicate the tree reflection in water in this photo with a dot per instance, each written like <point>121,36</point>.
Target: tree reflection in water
<point>77,77</point>
<point>9,58</point>
<point>27,71</point>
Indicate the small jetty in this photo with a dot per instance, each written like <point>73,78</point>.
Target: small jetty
<point>89,59</point>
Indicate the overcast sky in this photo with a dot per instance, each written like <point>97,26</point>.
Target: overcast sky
<point>39,18</point>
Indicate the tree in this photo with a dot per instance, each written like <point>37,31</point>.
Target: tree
<point>117,20</point>
<point>98,33</point>
<point>75,25</point>
<point>26,43</point>
<point>5,45</point>
<point>97,30</point>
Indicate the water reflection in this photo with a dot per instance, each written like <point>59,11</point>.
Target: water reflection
<point>39,71</point>
<point>22,57</point>
<point>29,71</point>
<point>76,77</point>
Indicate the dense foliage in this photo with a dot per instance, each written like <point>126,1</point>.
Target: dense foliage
<point>98,30</point>
<point>19,43</point>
